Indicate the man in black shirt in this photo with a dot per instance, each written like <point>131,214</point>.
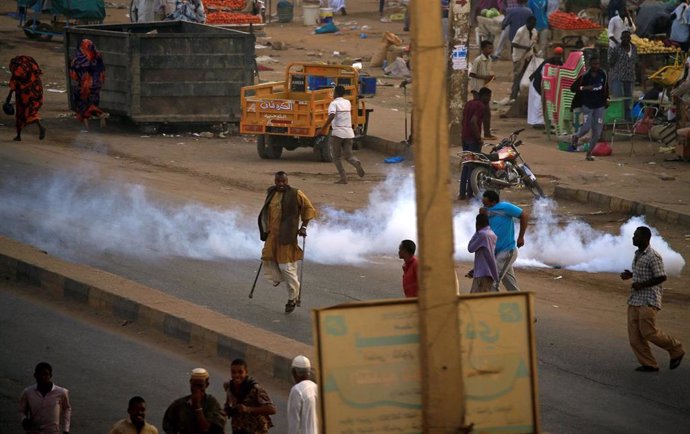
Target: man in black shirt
<point>592,92</point>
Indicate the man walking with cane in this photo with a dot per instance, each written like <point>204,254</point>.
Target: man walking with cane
<point>279,226</point>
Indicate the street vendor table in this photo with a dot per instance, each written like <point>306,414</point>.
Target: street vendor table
<point>649,63</point>
<point>585,36</point>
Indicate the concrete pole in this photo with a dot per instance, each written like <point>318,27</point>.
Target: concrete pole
<point>442,385</point>
<point>458,43</point>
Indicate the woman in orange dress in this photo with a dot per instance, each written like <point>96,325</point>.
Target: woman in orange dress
<point>87,73</point>
<point>26,85</point>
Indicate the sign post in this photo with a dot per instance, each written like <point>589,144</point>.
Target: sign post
<point>442,386</point>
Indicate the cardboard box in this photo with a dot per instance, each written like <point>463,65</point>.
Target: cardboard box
<point>682,149</point>
<point>683,143</point>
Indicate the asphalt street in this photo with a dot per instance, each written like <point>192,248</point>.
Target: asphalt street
<point>586,378</point>
<point>100,365</point>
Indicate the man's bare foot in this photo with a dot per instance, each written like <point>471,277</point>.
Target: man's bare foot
<point>18,138</point>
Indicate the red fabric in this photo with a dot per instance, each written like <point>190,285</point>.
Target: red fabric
<point>409,280</point>
<point>28,90</point>
<point>602,149</point>
<point>472,108</point>
<point>646,123</point>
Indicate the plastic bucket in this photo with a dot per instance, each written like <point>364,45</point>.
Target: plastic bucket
<point>310,15</point>
<point>284,11</point>
<point>326,15</point>
<point>367,85</point>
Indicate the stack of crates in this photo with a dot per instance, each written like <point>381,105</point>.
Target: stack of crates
<point>558,97</point>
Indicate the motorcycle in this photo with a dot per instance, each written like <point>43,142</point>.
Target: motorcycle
<point>503,167</point>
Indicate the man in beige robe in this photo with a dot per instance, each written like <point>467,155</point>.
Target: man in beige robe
<point>279,226</point>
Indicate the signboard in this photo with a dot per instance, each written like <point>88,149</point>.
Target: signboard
<point>369,367</point>
<point>298,83</point>
<point>459,56</point>
<point>499,362</point>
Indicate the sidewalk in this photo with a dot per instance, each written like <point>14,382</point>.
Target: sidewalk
<point>108,294</point>
<point>638,184</point>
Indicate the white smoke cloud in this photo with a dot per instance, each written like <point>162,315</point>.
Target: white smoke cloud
<point>67,214</point>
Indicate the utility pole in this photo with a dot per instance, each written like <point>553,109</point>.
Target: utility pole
<point>442,385</point>
<point>458,63</point>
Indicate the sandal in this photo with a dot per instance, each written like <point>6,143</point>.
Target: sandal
<point>290,306</point>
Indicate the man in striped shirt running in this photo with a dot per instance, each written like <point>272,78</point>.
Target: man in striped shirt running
<point>645,301</point>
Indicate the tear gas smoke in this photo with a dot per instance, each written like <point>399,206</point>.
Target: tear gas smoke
<point>66,215</point>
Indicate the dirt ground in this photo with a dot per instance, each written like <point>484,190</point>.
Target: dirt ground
<point>216,171</point>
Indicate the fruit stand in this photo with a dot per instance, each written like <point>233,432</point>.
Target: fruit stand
<point>231,14</point>
<point>572,31</point>
<point>653,54</point>
<point>489,26</point>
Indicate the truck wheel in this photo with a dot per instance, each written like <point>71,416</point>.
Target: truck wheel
<point>322,149</point>
<point>268,148</point>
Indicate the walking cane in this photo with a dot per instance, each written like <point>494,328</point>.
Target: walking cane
<point>404,86</point>
<point>251,294</point>
<point>301,271</point>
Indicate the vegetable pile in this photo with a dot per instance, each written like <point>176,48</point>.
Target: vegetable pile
<point>490,13</point>
<point>566,21</point>
<point>603,38</point>
<point>229,5</point>
<point>232,18</point>
<point>646,46</point>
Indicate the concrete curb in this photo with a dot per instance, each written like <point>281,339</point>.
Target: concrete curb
<point>615,203</point>
<point>208,330</point>
<point>612,203</point>
<point>386,146</point>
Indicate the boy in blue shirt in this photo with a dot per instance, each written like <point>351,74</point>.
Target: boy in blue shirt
<point>501,215</point>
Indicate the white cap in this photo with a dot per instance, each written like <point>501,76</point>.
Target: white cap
<point>199,374</point>
<point>301,362</point>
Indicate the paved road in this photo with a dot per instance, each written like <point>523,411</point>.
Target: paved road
<point>586,381</point>
<point>101,366</point>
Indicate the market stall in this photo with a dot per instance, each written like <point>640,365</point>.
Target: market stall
<point>573,32</point>
<point>489,28</point>
<point>232,13</point>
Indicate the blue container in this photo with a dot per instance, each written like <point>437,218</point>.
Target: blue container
<point>367,85</point>
<point>316,82</point>
<point>284,8</point>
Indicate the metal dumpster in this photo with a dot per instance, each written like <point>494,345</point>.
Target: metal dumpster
<point>170,72</point>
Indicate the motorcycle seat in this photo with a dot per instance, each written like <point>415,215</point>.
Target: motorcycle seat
<point>491,157</point>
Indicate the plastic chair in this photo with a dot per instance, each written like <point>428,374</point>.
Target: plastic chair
<point>638,126</point>
<point>624,128</point>
<point>621,126</point>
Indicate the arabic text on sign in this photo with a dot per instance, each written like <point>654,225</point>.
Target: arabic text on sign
<point>276,105</point>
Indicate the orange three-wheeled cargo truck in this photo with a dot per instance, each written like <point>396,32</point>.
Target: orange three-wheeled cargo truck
<point>288,114</point>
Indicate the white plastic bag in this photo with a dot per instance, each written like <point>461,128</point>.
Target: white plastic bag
<point>531,67</point>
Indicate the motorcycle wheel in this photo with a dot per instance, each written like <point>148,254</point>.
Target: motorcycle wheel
<point>478,179</point>
<point>534,187</point>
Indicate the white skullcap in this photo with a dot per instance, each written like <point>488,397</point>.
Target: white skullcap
<point>199,374</point>
<point>301,362</point>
